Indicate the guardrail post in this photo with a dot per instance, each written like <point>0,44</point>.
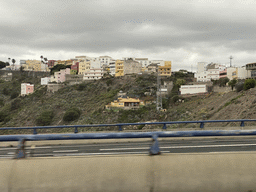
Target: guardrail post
<point>242,124</point>
<point>120,128</point>
<point>76,130</point>
<point>164,127</point>
<point>34,132</point>
<point>20,152</point>
<point>202,125</point>
<point>154,149</point>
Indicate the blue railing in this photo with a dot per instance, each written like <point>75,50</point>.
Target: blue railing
<point>122,135</point>
<point>121,125</point>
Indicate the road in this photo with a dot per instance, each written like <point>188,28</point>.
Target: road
<point>188,145</point>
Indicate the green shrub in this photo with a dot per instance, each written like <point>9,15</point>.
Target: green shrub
<point>6,91</point>
<point>232,83</point>
<point>45,118</point>
<point>109,82</point>
<point>1,102</point>
<point>239,86</point>
<point>72,114</point>
<point>14,95</point>
<point>140,127</point>
<point>3,115</point>
<point>249,83</point>
<point>175,98</point>
<point>81,87</point>
<point>16,104</point>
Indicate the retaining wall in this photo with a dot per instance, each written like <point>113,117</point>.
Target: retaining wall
<point>175,172</point>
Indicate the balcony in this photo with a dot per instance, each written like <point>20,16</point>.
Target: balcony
<point>251,66</point>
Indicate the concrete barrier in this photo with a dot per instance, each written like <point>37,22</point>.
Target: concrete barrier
<point>172,172</point>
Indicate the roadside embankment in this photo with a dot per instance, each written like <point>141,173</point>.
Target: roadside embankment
<point>172,172</point>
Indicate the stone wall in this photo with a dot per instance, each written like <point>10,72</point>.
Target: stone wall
<point>38,74</point>
<point>131,66</point>
<point>219,89</point>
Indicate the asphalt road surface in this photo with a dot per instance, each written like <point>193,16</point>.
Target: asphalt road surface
<point>191,145</point>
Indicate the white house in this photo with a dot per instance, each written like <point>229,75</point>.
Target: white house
<point>94,74</point>
<point>192,89</point>
<point>45,80</point>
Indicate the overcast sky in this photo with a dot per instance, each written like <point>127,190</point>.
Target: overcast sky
<point>182,31</point>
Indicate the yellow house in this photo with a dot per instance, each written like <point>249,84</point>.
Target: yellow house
<point>64,62</point>
<point>165,70</point>
<point>126,103</point>
<point>84,66</point>
<point>119,68</point>
<point>33,65</point>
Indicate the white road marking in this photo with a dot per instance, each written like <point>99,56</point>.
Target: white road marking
<point>3,149</point>
<point>119,149</point>
<point>180,147</point>
<point>46,147</point>
<point>65,151</point>
<point>83,154</point>
<point>14,148</point>
<point>6,155</point>
<point>206,146</point>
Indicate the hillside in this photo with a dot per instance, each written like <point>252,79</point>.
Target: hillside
<point>91,97</point>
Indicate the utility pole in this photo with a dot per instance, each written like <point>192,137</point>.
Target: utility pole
<point>159,104</point>
<point>231,60</point>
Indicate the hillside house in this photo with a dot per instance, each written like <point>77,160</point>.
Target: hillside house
<point>45,80</point>
<point>126,103</point>
<point>26,89</point>
<point>60,76</point>
<point>192,89</point>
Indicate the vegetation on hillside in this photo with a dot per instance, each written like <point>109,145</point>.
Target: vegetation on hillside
<point>85,103</point>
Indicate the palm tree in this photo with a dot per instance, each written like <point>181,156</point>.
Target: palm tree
<point>13,61</point>
<point>45,59</point>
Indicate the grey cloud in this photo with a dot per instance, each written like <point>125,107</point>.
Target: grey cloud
<point>112,26</point>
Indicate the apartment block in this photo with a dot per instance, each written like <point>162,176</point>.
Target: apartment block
<point>84,66</point>
<point>34,65</point>
<point>165,70</point>
<point>104,60</point>
<point>93,74</point>
<point>119,68</point>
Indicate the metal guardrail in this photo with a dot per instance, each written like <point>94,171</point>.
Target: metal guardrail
<point>120,125</point>
<point>154,149</point>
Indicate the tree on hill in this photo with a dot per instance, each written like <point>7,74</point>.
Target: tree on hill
<point>223,81</point>
<point>3,64</point>
<point>232,83</point>
<point>13,61</point>
<point>58,68</point>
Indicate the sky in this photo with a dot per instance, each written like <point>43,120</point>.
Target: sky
<point>182,31</point>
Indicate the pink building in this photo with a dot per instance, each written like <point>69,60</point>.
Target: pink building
<point>60,76</point>
<point>223,73</point>
<point>26,89</point>
<point>75,67</point>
